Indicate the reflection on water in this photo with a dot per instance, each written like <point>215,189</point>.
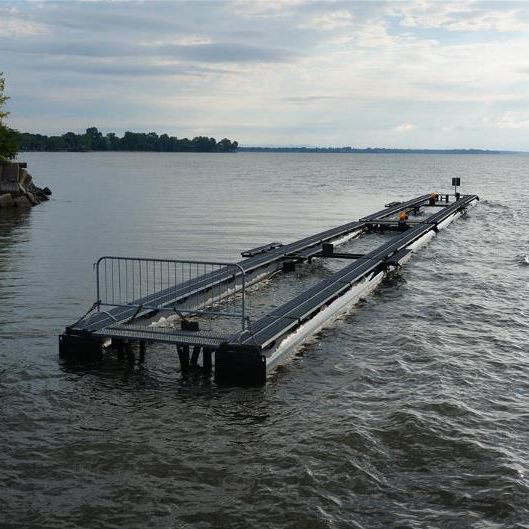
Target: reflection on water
<point>15,233</point>
<point>409,412</point>
<point>14,228</point>
<point>13,218</point>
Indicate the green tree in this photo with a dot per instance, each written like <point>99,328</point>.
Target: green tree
<point>8,137</point>
<point>97,140</point>
<point>165,143</point>
<point>225,145</point>
<point>3,99</point>
<point>71,141</point>
<point>204,144</point>
<point>114,143</point>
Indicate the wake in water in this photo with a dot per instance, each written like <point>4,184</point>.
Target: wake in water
<point>494,204</point>
<point>500,210</point>
<point>523,260</point>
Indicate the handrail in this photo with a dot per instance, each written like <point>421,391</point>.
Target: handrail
<point>129,284</point>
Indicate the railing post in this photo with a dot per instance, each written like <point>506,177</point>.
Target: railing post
<point>243,301</point>
<point>243,296</point>
<point>98,293</point>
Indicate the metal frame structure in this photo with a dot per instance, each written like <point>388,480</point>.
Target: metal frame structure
<point>246,356</point>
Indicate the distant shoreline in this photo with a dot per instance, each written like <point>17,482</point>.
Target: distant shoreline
<point>371,150</point>
<point>293,150</point>
<point>94,140</point>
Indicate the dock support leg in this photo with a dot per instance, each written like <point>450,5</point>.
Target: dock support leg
<point>183,355</point>
<point>206,360</point>
<point>289,266</point>
<point>120,346</point>
<point>130,352</point>
<point>143,347</point>
<point>194,355</point>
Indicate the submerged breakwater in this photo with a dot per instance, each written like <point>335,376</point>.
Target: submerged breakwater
<point>409,412</point>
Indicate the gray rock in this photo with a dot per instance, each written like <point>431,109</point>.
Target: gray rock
<point>25,179</point>
<point>32,198</point>
<point>6,201</point>
<point>40,195</point>
<point>17,182</point>
<point>9,178</point>
<point>22,202</point>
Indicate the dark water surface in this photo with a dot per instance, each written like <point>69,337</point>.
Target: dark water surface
<point>411,412</point>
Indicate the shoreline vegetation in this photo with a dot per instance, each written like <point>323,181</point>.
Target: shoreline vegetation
<point>8,136</point>
<point>94,140</point>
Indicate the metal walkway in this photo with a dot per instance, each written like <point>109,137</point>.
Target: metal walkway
<point>293,313</point>
<point>132,292</point>
<point>172,296</point>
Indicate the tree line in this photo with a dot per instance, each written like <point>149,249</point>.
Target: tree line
<point>94,140</point>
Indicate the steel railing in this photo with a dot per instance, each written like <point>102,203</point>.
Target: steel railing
<point>180,286</point>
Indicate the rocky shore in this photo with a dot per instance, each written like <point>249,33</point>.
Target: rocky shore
<point>17,188</point>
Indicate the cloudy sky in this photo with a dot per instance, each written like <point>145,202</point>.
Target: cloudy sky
<point>274,72</point>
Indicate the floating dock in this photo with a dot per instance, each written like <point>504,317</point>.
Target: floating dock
<point>200,307</point>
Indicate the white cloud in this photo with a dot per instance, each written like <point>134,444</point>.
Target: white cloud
<point>466,16</point>
<point>513,120</point>
<point>12,24</point>
<point>374,34</point>
<point>184,40</point>
<point>331,20</point>
<point>404,127</point>
<point>506,21</point>
<point>264,8</point>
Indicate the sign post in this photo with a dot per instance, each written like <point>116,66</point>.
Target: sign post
<point>456,182</point>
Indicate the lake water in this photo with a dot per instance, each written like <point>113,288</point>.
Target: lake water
<point>411,412</point>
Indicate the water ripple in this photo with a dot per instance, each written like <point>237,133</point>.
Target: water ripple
<point>409,412</point>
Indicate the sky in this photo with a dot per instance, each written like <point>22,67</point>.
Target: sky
<point>424,74</point>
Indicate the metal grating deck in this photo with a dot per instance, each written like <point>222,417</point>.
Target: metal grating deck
<point>165,335</point>
<point>282,319</point>
<point>172,296</point>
